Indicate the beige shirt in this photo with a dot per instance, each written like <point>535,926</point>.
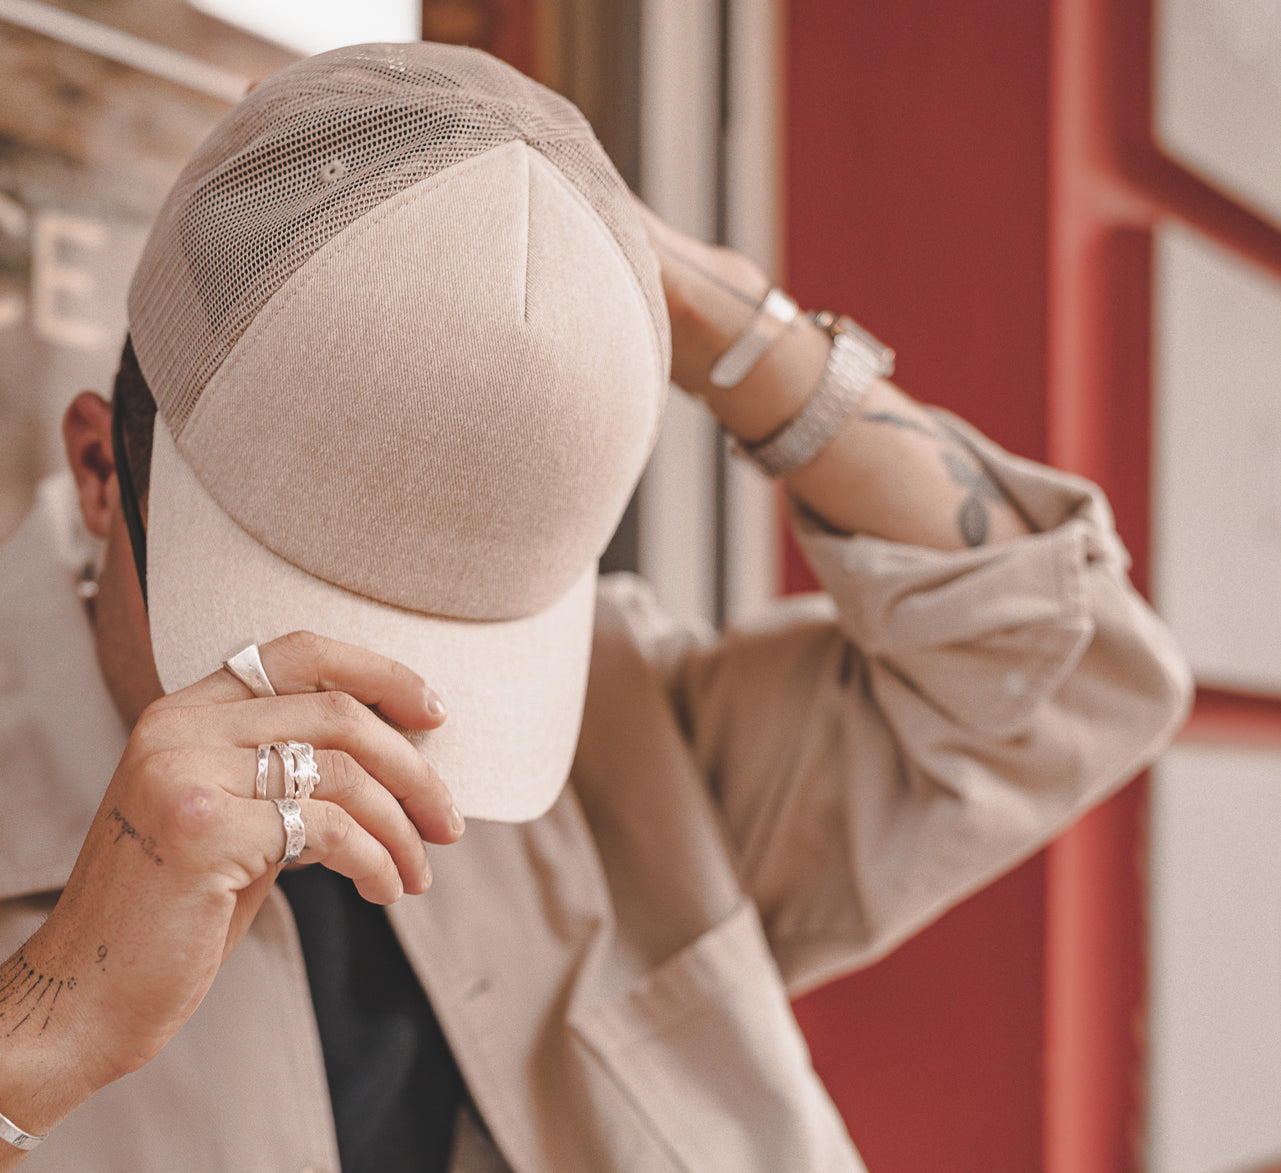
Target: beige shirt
<point>748,816</point>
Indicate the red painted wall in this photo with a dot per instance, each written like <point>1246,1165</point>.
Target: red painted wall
<point>506,28</point>
<point>917,199</point>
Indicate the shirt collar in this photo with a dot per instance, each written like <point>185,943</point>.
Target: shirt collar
<point>60,734</point>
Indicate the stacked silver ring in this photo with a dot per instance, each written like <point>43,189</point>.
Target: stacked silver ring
<point>297,757</point>
<point>301,777</point>
<point>264,764</point>
<point>299,761</point>
<point>305,773</point>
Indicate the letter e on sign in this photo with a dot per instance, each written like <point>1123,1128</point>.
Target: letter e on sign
<point>62,248</point>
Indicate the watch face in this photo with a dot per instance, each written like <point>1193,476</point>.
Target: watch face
<point>875,351</point>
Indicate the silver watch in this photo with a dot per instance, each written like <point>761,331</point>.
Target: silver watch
<point>855,362</point>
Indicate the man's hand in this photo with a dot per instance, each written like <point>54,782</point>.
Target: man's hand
<point>181,855</point>
<point>711,294</point>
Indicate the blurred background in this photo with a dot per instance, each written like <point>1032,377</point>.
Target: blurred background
<point>1065,215</point>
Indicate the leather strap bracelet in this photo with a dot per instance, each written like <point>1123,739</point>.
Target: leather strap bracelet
<point>772,317</point>
<point>855,361</point>
<point>10,1133</point>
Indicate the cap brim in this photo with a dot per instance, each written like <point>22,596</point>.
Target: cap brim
<point>513,689</point>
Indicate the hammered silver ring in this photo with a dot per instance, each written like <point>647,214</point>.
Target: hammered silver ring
<point>298,758</point>
<point>295,832</point>
<point>306,772</point>
<point>290,762</point>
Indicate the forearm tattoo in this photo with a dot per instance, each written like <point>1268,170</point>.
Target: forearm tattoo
<point>27,995</point>
<point>972,517</point>
<point>901,421</point>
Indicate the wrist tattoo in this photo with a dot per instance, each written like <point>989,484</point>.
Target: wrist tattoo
<point>901,421</point>
<point>28,995</point>
<point>126,830</point>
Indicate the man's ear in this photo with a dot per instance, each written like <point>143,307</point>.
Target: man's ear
<point>86,435</point>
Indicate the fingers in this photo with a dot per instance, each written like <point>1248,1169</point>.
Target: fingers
<point>375,787</point>
<point>310,663</point>
<point>232,842</point>
<point>337,840</point>
<point>344,783</point>
<point>334,721</point>
<point>305,662</point>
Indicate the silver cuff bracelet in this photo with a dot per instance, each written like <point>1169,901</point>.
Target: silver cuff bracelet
<point>10,1133</point>
<point>771,318</point>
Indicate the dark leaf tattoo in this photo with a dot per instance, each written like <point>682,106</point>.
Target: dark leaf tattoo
<point>972,517</point>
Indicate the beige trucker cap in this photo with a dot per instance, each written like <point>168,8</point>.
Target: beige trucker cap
<point>409,350</point>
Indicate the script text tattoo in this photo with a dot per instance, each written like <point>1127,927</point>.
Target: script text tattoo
<point>126,830</point>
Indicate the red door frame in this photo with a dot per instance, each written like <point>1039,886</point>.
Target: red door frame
<point>897,117</point>
<point>1110,185</point>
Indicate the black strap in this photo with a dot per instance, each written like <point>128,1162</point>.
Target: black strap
<point>393,1081</point>
<point>129,499</point>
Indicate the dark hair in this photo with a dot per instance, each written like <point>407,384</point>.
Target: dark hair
<point>133,401</point>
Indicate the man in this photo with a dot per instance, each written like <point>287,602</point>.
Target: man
<point>406,344</point>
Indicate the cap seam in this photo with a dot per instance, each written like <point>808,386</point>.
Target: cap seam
<point>529,233</point>
<point>603,229</point>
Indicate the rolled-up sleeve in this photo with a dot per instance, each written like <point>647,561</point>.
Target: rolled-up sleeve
<point>883,750</point>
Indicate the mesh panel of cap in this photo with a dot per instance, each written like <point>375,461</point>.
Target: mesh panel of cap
<point>311,150</point>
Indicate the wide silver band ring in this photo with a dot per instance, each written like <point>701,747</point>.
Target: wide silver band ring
<point>246,666</point>
<point>295,832</point>
<point>260,779</point>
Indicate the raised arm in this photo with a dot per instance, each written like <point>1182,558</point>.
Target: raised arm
<point>980,672</point>
<point>891,471</point>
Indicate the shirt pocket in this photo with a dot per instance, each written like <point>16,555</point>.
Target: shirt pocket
<point>707,1051</point>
